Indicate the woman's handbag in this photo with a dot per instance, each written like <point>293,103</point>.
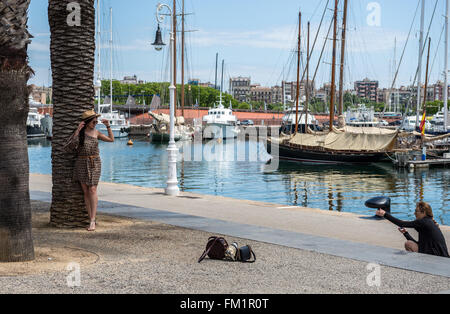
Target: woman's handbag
<point>215,248</point>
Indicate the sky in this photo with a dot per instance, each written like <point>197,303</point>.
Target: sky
<point>258,39</point>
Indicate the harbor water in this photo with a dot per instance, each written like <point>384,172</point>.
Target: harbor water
<point>238,169</point>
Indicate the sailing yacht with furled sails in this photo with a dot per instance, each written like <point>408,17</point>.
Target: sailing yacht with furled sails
<point>336,145</point>
<point>118,123</point>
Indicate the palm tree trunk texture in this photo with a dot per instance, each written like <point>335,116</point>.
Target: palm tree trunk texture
<point>72,50</point>
<point>16,241</point>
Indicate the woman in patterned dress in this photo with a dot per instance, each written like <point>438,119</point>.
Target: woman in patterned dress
<point>88,164</point>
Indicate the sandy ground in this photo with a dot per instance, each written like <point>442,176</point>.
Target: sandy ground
<point>133,256</point>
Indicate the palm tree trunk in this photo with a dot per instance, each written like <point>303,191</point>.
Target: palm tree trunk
<point>72,50</point>
<point>16,241</point>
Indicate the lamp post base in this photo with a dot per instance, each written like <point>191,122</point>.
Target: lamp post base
<point>172,181</point>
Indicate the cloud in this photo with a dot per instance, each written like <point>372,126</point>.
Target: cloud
<point>277,38</point>
<point>135,45</point>
<point>37,46</point>
<point>41,35</point>
<point>364,40</point>
<point>374,39</point>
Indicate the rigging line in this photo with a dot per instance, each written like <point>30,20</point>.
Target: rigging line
<point>317,8</point>
<point>437,50</point>
<point>323,48</point>
<point>293,48</point>
<point>317,35</point>
<point>400,63</point>
<point>417,71</point>
<point>275,67</point>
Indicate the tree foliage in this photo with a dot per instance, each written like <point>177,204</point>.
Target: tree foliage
<point>203,96</point>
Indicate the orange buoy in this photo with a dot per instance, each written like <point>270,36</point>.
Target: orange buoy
<point>130,142</point>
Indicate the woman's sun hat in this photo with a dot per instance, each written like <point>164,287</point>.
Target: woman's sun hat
<point>89,114</point>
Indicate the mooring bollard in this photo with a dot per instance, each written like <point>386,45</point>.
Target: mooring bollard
<point>382,202</point>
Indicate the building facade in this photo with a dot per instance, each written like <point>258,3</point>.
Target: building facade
<point>240,88</point>
<point>261,94</point>
<point>133,80</point>
<point>41,94</point>
<point>367,89</point>
<point>438,91</point>
<point>289,90</point>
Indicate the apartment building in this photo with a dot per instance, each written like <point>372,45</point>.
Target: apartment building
<point>367,89</point>
<point>240,88</point>
<point>289,89</point>
<point>261,94</point>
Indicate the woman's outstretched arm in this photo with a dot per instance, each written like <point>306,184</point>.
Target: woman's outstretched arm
<point>417,224</point>
<point>402,223</point>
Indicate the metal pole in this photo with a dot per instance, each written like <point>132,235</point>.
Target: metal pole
<point>426,76</point>
<point>174,68</point>
<point>298,71</point>
<point>446,69</point>
<point>221,81</point>
<point>217,60</point>
<point>394,68</point>
<point>182,60</point>
<point>172,181</point>
<point>419,82</point>
<point>341,74</point>
<point>111,64</point>
<point>333,68</point>
<point>307,83</point>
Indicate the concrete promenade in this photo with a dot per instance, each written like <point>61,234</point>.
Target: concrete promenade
<point>339,234</point>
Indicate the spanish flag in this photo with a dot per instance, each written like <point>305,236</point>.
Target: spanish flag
<point>422,123</point>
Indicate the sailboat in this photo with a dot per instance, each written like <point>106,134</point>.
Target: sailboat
<point>119,125</point>
<point>346,145</point>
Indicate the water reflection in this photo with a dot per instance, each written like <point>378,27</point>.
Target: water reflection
<point>236,169</point>
<point>334,184</point>
<point>40,142</point>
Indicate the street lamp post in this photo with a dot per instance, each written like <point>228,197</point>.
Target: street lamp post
<point>172,181</point>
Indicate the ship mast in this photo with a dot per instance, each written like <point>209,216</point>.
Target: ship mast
<point>446,69</point>
<point>307,83</point>
<point>298,71</point>
<point>175,52</point>
<point>426,77</point>
<point>111,61</point>
<point>341,74</point>
<point>419,80</point>
<point>333,68</point>
<point>182,60</point>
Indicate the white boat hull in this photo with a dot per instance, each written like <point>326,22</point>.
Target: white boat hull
<point>224,131</point>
